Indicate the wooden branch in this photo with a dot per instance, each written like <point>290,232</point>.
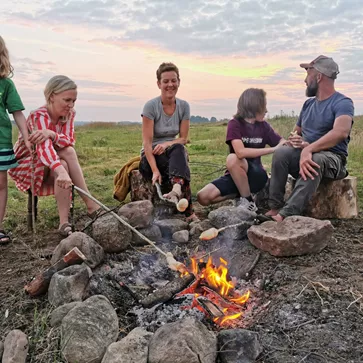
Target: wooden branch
<point>167,292</point>
<point>39,285</point>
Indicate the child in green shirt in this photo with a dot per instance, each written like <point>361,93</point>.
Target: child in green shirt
<point>9,102</point>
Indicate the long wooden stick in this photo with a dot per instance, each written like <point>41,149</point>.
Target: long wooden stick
<point>121,220</point>
<point>172,262</point>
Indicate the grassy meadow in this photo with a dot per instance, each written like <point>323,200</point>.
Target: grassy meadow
<point>104,147</point>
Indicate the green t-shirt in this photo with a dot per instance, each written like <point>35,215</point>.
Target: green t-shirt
<point>9,102</point>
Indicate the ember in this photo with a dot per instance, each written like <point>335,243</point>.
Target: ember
<point>214,292</point>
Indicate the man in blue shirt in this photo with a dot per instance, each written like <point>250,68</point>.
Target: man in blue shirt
<point>318,147</point>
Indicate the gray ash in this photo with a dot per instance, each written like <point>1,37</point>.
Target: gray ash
<point>179,308</point>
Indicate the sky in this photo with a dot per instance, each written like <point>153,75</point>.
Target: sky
<point>112,48</point>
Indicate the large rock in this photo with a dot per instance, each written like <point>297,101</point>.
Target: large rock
<point>111,234</point>
<point>15,347</point>
<point>152,232</point>
<point>88,330</point>
<point>169,226</point>
<point>181,236</point>
<point>131,349</point>
<point>69,284</point>
<point>196,228</point>
<point>139,213</point>
<point>60,312</point>
<point>92,250</point>
<point>185,341</point>
<point>238,346</point>
<point>226,216</point>
<point>295,235</point>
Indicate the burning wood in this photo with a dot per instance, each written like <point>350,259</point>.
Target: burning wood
<point>168,291</point>
<point>214,292</point>
<point>39,285</point>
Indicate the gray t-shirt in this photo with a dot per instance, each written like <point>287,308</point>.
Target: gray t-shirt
<point>317,119</point>
<point>165,127</point>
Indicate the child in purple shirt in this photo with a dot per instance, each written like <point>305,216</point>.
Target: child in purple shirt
<point>247,136</point>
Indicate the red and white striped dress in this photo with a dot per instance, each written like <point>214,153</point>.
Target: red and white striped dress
<point>46,155</point>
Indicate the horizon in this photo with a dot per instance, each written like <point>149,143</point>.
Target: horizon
<point>112,48</point>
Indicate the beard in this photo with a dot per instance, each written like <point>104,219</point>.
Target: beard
<point>312,89</point>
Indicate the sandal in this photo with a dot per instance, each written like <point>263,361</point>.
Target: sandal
<point>94,215</point>
<point>4,238</point>
<point>65,229</point>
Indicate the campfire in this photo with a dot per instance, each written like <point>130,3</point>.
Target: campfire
<point>214,293</point>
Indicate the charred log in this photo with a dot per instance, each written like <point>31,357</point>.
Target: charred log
<point>167,292</point>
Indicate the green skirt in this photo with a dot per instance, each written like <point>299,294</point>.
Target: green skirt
<point>7,159</point>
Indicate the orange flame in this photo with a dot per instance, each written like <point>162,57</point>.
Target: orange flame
<point>217,279</point>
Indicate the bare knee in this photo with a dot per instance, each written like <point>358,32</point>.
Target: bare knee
<point>202,197</point>
<point>208,194</point>
<point>233,162</point>
<point>68,153</point>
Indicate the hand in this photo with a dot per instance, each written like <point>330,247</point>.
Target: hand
<point>39,136</point>
<point>160,148</point>
<point>29,146</point>
<point>307,165</point>
<point>156,177</point>
<point>297,141</point>
<point>282,142</point>
<point>63,180</point>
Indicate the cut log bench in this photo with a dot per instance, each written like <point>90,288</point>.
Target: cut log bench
<point>333,199</point>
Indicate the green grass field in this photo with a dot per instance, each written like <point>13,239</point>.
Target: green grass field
<point>104,147</point>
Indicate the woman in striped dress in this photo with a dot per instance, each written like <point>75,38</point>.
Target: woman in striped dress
<point>54,166</point>
<point>9,102</point>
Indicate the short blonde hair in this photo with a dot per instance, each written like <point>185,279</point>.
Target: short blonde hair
<point>6,69</point>
<point>251,102</point>
<point>58,84</point>
<point>166,67</point>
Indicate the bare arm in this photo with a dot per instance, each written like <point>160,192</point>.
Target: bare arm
<point>147,139</point>
<point>245,152</point>
<point>20,121</point>
<point>339,132</point>
<point>182,139</point>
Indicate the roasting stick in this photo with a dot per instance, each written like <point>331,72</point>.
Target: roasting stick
<point>181,206</point>
<point>213,232</point>
<point>172,262</point>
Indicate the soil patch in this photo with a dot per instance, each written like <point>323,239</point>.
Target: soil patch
<point>315,312</point>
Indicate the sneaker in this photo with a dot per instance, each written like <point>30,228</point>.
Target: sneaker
<point>247,205</point>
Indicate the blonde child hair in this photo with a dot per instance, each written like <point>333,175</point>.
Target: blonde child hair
<point>6,69</point>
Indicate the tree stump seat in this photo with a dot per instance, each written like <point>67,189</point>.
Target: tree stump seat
<point>333,199</point>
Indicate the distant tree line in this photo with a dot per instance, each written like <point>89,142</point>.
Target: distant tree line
<point>200,119</point>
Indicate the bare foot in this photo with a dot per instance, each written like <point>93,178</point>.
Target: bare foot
<point>175,194</point>
<point>272,212</point>
<point>278,218</point>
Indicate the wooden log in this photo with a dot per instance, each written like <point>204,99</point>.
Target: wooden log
<point>39,285</point>
<point>141,189</point>
<point>333,199</point>
<point>167,292</point>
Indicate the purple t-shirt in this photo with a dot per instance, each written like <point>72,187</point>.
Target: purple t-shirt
<point>255,136</point>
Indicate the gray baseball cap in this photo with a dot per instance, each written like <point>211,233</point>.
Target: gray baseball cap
<point>324,65</point>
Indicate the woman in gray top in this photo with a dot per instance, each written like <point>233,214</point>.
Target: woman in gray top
<point>164,157</point>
